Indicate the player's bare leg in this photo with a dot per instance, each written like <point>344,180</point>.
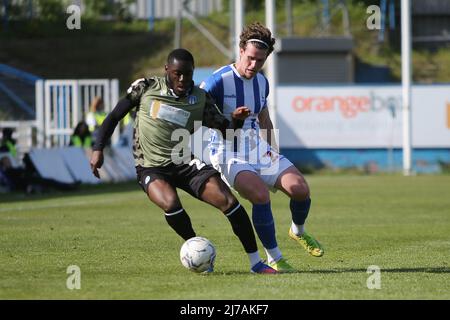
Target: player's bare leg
<point>293,184</point>
<point>165,196</point>
<point>251,187</point>
<point>162,194</point>
<point>216,193</point>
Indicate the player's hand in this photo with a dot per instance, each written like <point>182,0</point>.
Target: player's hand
<point>241,113</point>
<point>272,154</point>
<point>96,162</point>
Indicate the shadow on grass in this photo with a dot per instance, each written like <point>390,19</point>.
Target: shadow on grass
<point>344,270</point>
<point>229,273</point>
<point>393,270</point>
<point>83,190</point>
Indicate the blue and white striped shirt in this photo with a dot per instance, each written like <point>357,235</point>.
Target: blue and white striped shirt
<point>230,90</point>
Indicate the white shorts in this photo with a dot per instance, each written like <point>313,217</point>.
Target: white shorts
<point>268,169</point>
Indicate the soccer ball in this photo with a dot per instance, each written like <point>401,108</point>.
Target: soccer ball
<point>198,254</point>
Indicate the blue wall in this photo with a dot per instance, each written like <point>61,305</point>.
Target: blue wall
<point>423,160</point>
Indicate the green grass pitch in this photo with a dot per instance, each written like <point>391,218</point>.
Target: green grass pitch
<point>125,249</point>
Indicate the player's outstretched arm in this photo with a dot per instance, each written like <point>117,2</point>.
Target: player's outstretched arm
<point>105,131</point>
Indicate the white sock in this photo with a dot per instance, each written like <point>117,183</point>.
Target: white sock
<point>273,254</point>
<point>297,229</point>
<point>254,258</point>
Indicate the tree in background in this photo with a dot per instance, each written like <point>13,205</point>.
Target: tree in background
<point>54,10</point>
<point>116,10</point>
<point>51,10</point>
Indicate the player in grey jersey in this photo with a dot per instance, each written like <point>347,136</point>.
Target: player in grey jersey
<point>165,104</point>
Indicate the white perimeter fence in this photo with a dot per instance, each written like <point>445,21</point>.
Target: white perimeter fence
<point>60,105</point>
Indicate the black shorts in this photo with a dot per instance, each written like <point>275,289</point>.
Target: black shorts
<point>189,177</point>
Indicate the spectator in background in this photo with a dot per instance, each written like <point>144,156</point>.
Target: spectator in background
<point>81,136</point>
<point>96,116</point>
<point>8,144</point>
<point>127,130</point>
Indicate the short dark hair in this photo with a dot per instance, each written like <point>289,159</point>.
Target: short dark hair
<point>7,133</point>
<point>180,54</point>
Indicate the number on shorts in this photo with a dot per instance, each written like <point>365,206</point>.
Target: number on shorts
<point>197,163</point>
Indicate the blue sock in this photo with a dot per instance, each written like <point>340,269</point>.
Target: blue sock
<point>300,210</point>
<point>264,225</point>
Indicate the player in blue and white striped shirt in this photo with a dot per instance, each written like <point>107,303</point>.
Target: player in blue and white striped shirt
<point>252,165</point>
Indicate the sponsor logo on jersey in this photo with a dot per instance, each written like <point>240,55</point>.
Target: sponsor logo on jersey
<point>192,99</point>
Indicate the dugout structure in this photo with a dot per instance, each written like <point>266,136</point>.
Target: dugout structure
<point>315,60</point>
